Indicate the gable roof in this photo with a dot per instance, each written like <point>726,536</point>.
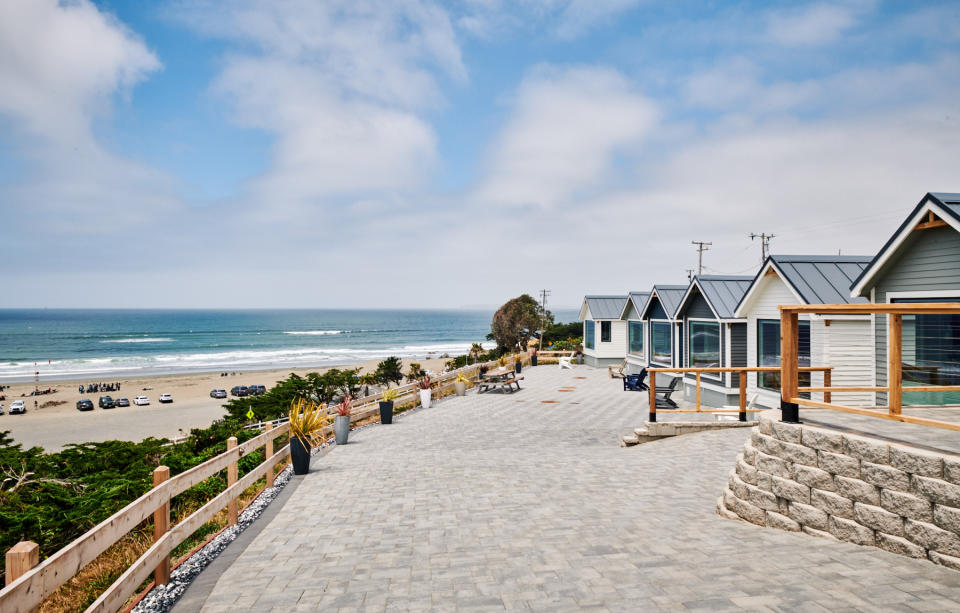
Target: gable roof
<point>722,293</point>
<point>816,279</point>
<point>638,300</point>
<point>669,297</point>
<point>944,205</point>
<point>604,307</point>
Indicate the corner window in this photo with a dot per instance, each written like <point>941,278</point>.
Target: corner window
<point>768,352</point>
<point>660,342</point>
<point>931,353</point>
<point>588,334</point>
<point>704,340</point>
<point>605,333</point>
<point>635,334</point>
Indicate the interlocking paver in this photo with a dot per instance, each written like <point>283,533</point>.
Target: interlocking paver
<point>504,502</point>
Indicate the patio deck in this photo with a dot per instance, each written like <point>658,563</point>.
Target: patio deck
<point>526,502</point>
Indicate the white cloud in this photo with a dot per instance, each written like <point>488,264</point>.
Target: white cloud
<point>566,129</point>
<point>581,15</point>
<point>813,24</point>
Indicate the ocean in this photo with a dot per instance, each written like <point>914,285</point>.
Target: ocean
<point>81,343</point>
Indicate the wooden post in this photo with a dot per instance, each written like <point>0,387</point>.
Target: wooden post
<point>743,395</point>
<point>268,451</point>
<point>21,558</point>
<point>789,362</point>
<point>231,479</point>
<point>698,391</point>
<point>653,397</point>
<point>895,359</point>
<point>161,524</point>
<point>827,382</point>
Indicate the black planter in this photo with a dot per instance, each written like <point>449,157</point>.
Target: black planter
<point>300,456</point>
<point>533,360</point>
<point>518,366</point>
<point>386,412</point>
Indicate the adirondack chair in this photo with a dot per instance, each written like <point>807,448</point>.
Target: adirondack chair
<point>664,400</point>
<point>635,383</point>
<point>616,372</point>
<point>564,362</point>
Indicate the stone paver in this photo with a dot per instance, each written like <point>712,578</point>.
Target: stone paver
<point>504,502</point>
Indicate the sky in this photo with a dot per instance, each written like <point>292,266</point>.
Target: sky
<point>410,153</point>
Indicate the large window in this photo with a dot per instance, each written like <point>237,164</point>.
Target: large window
<point>768,352</point>
<point>704,340</point>
<point>588,334</point>
<point>931,354</point>
<point>635,334</point>
<point>660,341</point>
<point>605,334</point>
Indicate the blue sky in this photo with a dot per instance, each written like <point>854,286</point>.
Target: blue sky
<point>199,153</point>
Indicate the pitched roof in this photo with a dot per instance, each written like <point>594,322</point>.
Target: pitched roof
<point>946,203</point>
<point>822,279</point>
<point>638,300</point>
<point>723,293</point>
<point>605,307</point>
<point>669,296</point>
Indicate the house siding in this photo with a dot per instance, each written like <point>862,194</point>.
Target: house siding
<point>929,261</point>
<point>738,350</point>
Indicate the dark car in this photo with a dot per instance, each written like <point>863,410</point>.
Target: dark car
<point>85,405</point>
<point>106,402</point>
<point>256,390</point>
<point>239,390</point>
<point>218,393</point>
<point>122,402</point>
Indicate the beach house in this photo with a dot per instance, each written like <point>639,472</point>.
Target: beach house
<point>844,342</point>
<point>604,332</point>
<point>636,331</point>
<point>919,263</point>
<point>712,336</point>
<point>664,343</point>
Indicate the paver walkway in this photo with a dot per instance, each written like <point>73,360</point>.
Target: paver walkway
<point>503,502</point>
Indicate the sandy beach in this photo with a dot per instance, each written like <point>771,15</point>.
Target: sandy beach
<point>56,421</point>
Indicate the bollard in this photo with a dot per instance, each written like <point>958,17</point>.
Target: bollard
<point>21,558</point>
<point>231,479</point>
<point>743,395</point>
<point>161,524</point>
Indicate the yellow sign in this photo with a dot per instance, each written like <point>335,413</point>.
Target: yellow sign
<point>250,414</point>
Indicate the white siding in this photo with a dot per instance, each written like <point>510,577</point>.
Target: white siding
<point>617,347</point>
<point>844,344</point>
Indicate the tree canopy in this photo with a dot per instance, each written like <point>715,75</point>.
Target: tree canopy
<point>517,321</point>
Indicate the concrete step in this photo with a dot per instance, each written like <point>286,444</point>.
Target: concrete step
<point>629,441</point>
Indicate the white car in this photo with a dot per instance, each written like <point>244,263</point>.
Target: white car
<point>141,401</point>
<point>17,406</point>
<point>165,398</point>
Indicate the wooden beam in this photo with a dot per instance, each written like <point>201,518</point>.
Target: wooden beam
<point>895,362</point>
<point>938,223</point>
<point>740,368</point>
<point>21,558</point>
<point>698,392</point>
<point>653,396</point>
<point>789,354</point>
<point>827,389</point>
<point>937,308</point>
<point>743,395</point>
<point>161,523</point>
<point>827,382</point>
<point>921,421</point>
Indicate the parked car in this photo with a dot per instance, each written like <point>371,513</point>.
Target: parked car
<point>164,398</point>
<point>17,406</point>
<point>239,390</point>
<point>106,402</point>
<point>85,404</point>
<point>256,390</point>
<point>122,402</point>
<point>218,393</point>
<point>141,401</point>
<point>1,408</point>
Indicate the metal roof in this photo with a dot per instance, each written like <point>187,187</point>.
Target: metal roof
<point>670,297</point>
<point>639,301</point>
<point>822,279</point>
<point>605,307</point>
<point>723,292</point>
<point>947,202</point>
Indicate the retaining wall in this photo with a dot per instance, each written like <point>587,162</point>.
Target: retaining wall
<point>860,489</point>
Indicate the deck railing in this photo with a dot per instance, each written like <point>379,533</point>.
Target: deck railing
<point>743,370</point>
<point>790,389</point>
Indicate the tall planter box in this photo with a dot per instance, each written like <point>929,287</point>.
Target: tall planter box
<point>341,428</point>
<point>299,456</point>
<point>386,412</point>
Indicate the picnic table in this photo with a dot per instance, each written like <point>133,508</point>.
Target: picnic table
<point>502,379</point>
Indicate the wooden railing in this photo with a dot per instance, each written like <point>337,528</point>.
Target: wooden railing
<point>790,389</point>
<point>743,370</point>
<point>28,583</point>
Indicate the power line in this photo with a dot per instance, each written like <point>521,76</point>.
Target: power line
<point>701,247</point>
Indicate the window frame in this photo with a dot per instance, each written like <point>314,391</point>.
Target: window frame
<point>804,378</point>
<point>589,334</point>
<point>606,331</point>
<point>643,330</point>
<point>653,325</point>
<point>720,349</point>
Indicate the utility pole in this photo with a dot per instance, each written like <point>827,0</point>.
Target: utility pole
<point>701,247</point>
<point>764,243</point>
<point>543,316</point>
<point>689,274</point>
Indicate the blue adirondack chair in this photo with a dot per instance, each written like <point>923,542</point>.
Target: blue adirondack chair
<point>635,383</point>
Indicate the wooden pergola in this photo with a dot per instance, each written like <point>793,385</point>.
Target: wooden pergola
<point>790,389</point>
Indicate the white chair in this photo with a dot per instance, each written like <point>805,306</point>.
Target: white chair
<point>565,363</point>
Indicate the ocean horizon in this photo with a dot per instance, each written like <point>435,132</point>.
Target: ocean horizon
<point>96,343</point>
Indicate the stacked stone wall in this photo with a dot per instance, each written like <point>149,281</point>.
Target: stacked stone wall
<point>836,485</point>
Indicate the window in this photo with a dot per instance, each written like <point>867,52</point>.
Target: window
<point>931,354</point>
<point>588,333</point>
<point>768,352</point>
<point>605,331</point>
<point>660,341</point>
<point>704,340</point>
<point>635,334</point>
